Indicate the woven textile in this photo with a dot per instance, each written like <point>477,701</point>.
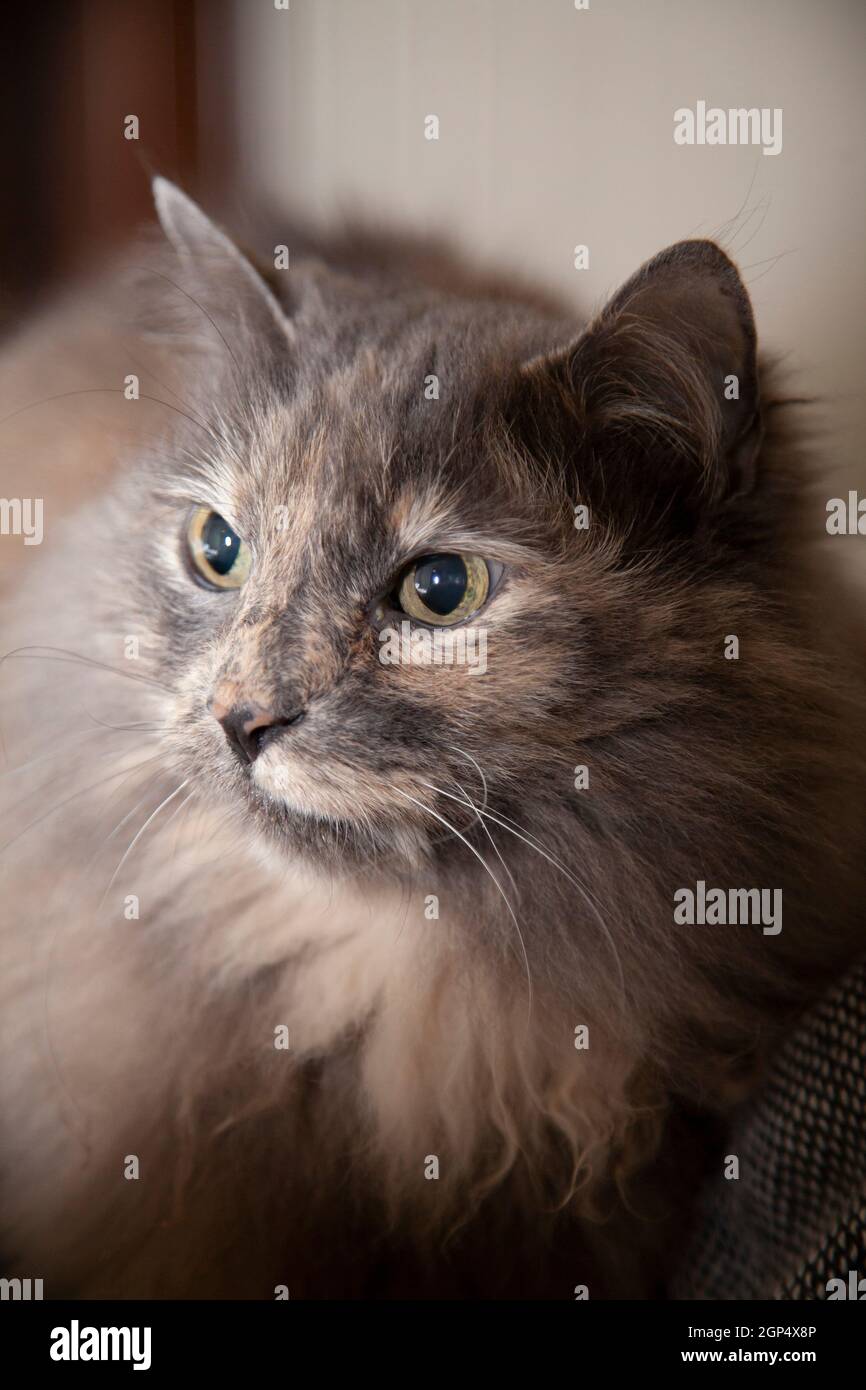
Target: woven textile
<point>796,1216</point>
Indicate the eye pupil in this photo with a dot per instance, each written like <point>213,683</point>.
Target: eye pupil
<point>440,582</point>
<point>219,543</point>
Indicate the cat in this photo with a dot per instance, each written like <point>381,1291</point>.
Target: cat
<point>333,978</point>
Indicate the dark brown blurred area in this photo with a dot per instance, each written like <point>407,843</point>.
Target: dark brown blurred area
<point>72,71</point>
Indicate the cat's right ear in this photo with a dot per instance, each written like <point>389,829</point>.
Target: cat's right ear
<point>659,396</point>
<point>213,271</point>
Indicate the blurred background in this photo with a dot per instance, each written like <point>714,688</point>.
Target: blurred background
<point>555,129</point>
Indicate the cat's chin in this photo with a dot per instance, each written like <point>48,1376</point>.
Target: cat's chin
<point>334,843</point>
<point>336,815</point>
<point>325,791</point>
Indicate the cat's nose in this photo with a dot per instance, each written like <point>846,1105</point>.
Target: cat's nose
<point>249,727</point>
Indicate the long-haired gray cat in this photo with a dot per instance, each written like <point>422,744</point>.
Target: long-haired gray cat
<point>361,977</point>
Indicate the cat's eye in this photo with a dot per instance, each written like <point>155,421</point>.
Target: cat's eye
<point>444,589</point>
<point>220,558</point>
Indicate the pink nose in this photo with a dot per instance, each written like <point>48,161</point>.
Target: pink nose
<point>245,727</point>
<point>247,724</point>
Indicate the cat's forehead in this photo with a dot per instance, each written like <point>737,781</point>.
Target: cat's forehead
<point>371,437</point>
<point>337,475</point>
<point>382,431</point>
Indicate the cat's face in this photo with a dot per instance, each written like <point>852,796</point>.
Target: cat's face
<point>303,685</point>
<point>375,608</point>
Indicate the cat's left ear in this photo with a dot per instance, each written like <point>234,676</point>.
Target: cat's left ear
<point>663,384</point>
<point>220,270</point>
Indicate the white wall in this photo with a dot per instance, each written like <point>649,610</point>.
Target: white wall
<point>557,128</point>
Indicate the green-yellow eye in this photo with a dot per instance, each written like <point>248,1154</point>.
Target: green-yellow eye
<point>444,589</point>
<point>219,555</point>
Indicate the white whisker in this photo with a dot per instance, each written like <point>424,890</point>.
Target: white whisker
<point>551,859</point>
<point>481,821</point>
<point>430,812</point>
<point>66,800</point>
<point>477,765</point>
<point>135,839</point>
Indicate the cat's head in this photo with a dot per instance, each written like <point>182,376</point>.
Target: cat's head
<point>418,557</point>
